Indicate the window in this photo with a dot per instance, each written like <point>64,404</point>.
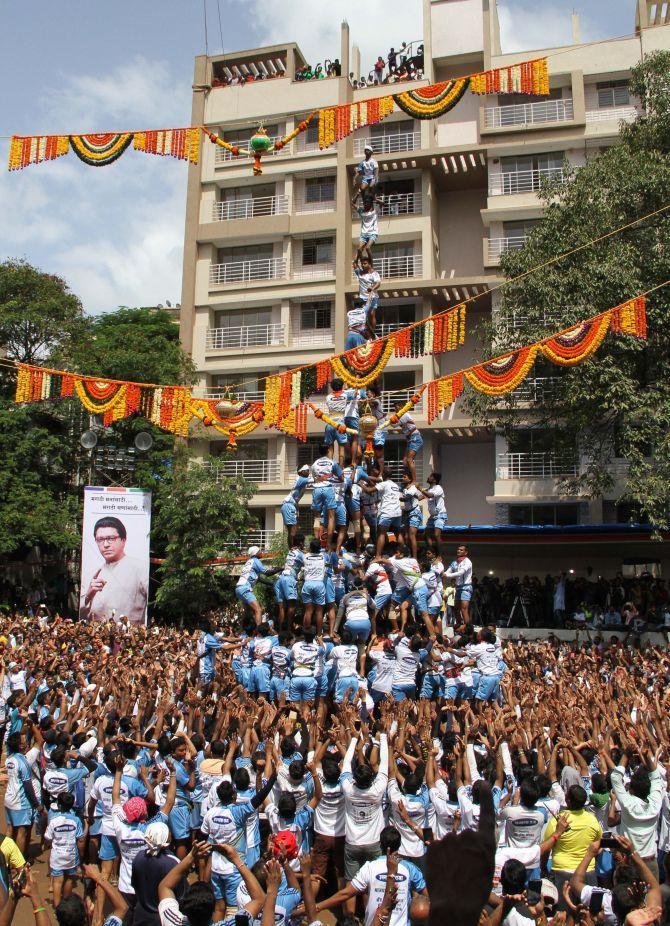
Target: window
<point>389,187</point>
<point>307,453</point>
<point>520,99</point>
<point>251,252</point>
<point>536,440</point>
<point>315,316</point>
<point>613,93</point>
<point>312,133</point>
<point>391,128</point>
<point>253,382</point>
<point>543,515</point>
<point>243,319</point>
<point>320,189</point>
<point>317,251</point>
<point>403,379</point>
<point>627,513</point>
<point>548,161</point>
<point>397,250</point>
<point>235,194</point>
<point>252,450</point>
<point>398,315</point>
<point>519,229</point>
<point>634,568</point>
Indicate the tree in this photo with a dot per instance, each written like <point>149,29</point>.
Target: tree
<point>618,404</point>
<point>195,514</point>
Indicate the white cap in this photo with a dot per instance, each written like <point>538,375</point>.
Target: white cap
<point>12,665</point>
<point>253,551</point>
<point>367,148</point>
<point>304,469</point>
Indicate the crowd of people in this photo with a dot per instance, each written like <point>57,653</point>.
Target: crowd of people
<point>169,776</point>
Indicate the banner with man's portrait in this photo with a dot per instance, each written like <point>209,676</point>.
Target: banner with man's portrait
<point>115,555</point>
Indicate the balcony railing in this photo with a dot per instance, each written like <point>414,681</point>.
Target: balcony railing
<point>259,538</point>
<point>410,265</point>
<point>537,388</point>
<point>257,395</point>
<point>496,117</point>
<point>397,468</point>
<point>249,208</point>
<point>222,155</point>
<point>244,336</point>
<point>261,471</point>
<point>312,337</point>
<point>388,144</point>
<point>313,271</point>
<point>303,205</point>
<point>389,400</point>
<point>529,465</point>
<point>523,181</point>
<point>517,320</point>
<point>389,327</point>
<point>245,271</point>
<point>613,114</point>
<point>496,247</point>
<point>401,204</point>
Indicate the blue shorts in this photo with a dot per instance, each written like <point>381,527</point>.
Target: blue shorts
<point>289,513</point>
<point>196,817</point>
<point>382,600</point>
<point>286,589</point>
<point>351,422</point>
<point>329,588</point>
<point>314,593</point>
<point>244,593</point>
<point>332,434</point>
<point>454,689</point>
<point>259,680</point>
<point>353,339</point>
<point>340,516</point>
<point>415,442</point>
<point>109,848</point>
<point>23,817</point>
<point>225,887</point>
<point>420,599</point>
<point>371,520</point>
<point>379,437</point>
<point>324,684</point>
<point>359,630</point>
<point>403,692</point>
<point>390,524</point>
<point>438,522</point>
<point>95,827</point>
<point>323,498</point>
<point>341,686</point>
<point>353,505</point>
<point>302,688</point>
<point>432,685</point>
<point>278,686</point>
<point>180,822</point>
<point>339,592</point>
<point>241,672</point>
<point>64,872</point>
<point>463,592</point>
<point>367,239</point>
<point>488,687</point>
<point>414,518</point>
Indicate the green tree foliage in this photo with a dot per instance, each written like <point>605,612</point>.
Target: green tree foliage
<point>195,515</point>
<point>617,404</point>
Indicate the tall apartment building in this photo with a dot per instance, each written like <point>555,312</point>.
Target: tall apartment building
<point>267,261</point>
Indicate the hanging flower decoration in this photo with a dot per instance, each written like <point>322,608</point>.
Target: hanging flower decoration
<point>443,392</point>
<point>362,365</point>
<point>411,403</point>
<point>497,377</point>
<point>434,101</point>
<point>259,143</point>
<point>248,416</point>
<point>100,150</point>
<point>574,346</point>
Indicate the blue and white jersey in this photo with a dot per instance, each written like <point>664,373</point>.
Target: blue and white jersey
<point>280,660</point>
<point>21,769</point>
<point>102,792</point>
<point>356,607</point>
<point>434,585</point>
<point>306,658</point>
<point>407,425</point>
<point>59,780</point>
<point>417,806</point>
<point>130,837</point>
<point>314,567</point>
<point>208,645</point>
<point>410,498</point>
<point>336,403</point>
<point>183,778</point>
<point>263,649</point>
<point>293,563</point>
<point>246,653</point>
<point>301,825</point>
<point>227,824</point>
<point>371,880</point>
<point>298,490</point>
<point>63,831</point>
<point>331,560</point>
<point>352,398</point>
<point>326,470</point>
<point>252,569</point>
<point>287,900</point>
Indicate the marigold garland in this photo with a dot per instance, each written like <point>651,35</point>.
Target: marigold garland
<point>356,380</point>
<point>101,149</point>
<point>497,377</point>
<point>434,101</point>
<point>574,346</point>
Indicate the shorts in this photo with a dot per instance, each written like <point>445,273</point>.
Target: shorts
<point>340,516</point>
<point>359,630</point>
<point>323,684</point>
<point>278,686</point>
<point>432,685</point>
<point>454,689</point>
<point>341,686</point>
<point>314,593</point>
<point>289,513</point>
<point>259,680</point>
<point>487,688</point>
<point>353,339</point>
<point>286,589</point>
<point>64,872</point>
<point>382,600</point>
<point>379,437</point>
<point>225,887</point>
<point>245,594</point>
<point>180,821</point>
<point>196,816</point>
<point>302,688</point>
<point>109,848</point>
<point>95,827</point>
<point>355,857</point>
<point>332,434</point>
<point>24,817</point>
<point>390,524</point>
<point>353,506</point>
<point>403,692</point>
<point>323,497</point>
<point>241,672</point>
<point>414,519</point>
<point>437,522</point>
<point>325,850</point>
<point>415,442</point>
<point>367,239</point>
<point>330,590</point>
<point>463,592</point>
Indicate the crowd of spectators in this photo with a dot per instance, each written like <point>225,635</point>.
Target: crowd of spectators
<point>404,64</point>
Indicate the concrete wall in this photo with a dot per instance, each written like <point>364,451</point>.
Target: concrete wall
<point>467,477</point>
<point>457,27</point>
<point>461,232</point>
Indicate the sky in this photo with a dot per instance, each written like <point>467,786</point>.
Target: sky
<point>71,67</point>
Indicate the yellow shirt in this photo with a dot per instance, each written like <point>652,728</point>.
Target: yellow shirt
<point>570,848</point>
<point>13,855</point>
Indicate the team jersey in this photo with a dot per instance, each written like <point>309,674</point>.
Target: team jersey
<point>436,504</point>
<point>356,606</point>
<point>445,809</point>
<point>371,879</point>
<point>58,780</point>
<point>461,571</point>
<point>300,825</point>
<point>369,224</point>
<point>305,658</point>
<point>389,499</point>
<point>486,655</point>
<point>378,574</point>
<point>314,567</point>
<point>407,572</point>
<point>523,825</point>
<point>226,824</point>
<point>102,792</point>
<point>298,490</point>
<point>280,660</point>
<point>367,169</point>
<point>384,666</point>
<point>21,769</point>
<point>406,662</point>
<point>262,650</point>
<point>434,585</point>
<point>329,812</point>
<point>406,425</point>
<point>357,318</point>
<point>63,831</point>
<point>130,838</point>
<point>366,281</point>
<point>293,563</point>
<point>326,470</point>
<point>417,806</point>
<point>208,645</point>
<point>336,402</point>
<point>287,900</point>
<point>252,569</point>
<point>345,658</point>
<point>410,498</point>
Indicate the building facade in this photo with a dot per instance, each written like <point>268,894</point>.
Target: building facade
<point>268,260</point>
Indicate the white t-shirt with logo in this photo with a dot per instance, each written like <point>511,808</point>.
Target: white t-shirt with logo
<point>390,505</point>
<point>371,879</point>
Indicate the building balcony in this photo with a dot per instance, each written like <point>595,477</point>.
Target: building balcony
<point>248,271</point>
<point>307,207</point>
<point>517,320</point>
<point>525,114</point>
<point>312,337</point>
<point>523,181</point>
<point>613,114</point>
<point>223,156</point>
<point>534,465</point>
<point>389,268</point>
<point>397,468</point>
<point>256,395</point>
<point>389,400</point>
<point>260,471</point>
<point>259,538</point>
<point>401,204</point>
<point>389,328</point>
<point>388,144</point>
<point>494,248</point>
<point>537,389</point>
<point>313,271</point>
<point>249,208</point>
<point>238,338</point>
